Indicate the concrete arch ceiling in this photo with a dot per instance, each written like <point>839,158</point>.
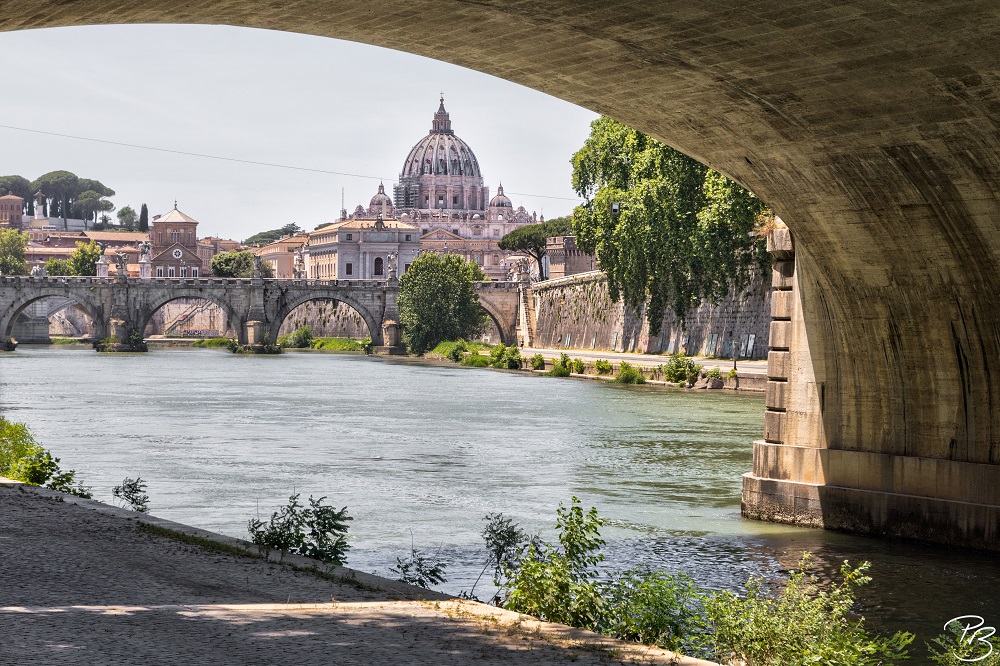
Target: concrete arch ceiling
<point>871,127</point>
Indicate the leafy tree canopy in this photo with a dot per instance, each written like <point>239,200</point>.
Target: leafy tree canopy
<point>438,301</point>
<point>83,261</point>
<point>12,246</point>
<point>684,232</point>
<point>530,238</point>
<point>238,264</point>
<point>16,185</point>
<point>127,217</point>
<point>265,237</point>
<point>58,267</point>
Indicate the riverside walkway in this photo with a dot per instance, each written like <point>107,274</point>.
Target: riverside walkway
<point>86,583</point>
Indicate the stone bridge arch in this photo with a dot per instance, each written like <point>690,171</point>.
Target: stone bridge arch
<point>151,300</point>
<point>372,319</point>
<point>94,304</point>
<point>872,130</point>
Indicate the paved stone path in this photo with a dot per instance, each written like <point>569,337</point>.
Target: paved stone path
<point>86,583</point>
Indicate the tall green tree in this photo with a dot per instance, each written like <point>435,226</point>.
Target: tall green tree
<point>143,218</point>
<point>88,204</point>
<point>83,260</point>
<point>18,186</point>
<point>682,232</point>
<point>60,187</point>
<point>127,217</point>
<point>58,267</point>
<point>438,301</point>
<point>238,264</point>
<point>12,246</point>
<point>531,238</point>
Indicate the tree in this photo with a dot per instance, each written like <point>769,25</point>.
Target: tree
<point>18,186</point>
<point>56,267</point>
<point>438,302</point>
<point>83,261</point>
<point>143,218</point>
<point>61,187</point>
<point>88,204</point>
<point>683,233</point>
<point>265,237</point>
<point>127,217</point>
<point>238,264</point>
<point>12,246</point>
<point>531,238</point>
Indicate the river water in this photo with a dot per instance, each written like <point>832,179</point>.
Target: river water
<point>419,454</point>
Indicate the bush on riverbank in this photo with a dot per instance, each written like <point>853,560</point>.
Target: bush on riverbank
<point>476,360</point>
<point>455,350</point>
<point>560,367</point>
<point>214,343</point>
<point>68,341</point>
<point>806,622</point>
<point>316,531</point>
<point>24,459</point>
<point>537,362</point>
<point>680,368</point>
<point>341,344</point>
<point>602,367</point>
<point>300,338</point>
<point>505,358</point>
<point>629,374</point>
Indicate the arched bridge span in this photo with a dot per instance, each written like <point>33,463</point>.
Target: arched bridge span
<point>872,128</point>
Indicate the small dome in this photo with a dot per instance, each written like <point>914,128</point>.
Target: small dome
<point>500,200</point>
<point>477,216</point>
<point>380,198</point>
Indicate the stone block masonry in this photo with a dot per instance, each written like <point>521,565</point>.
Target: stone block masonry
<point>577,313</point>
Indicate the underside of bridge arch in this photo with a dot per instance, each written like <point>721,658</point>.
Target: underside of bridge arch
<point>285,319</point>
<point>41,306</point>
<point>872,130</point>
<point>184,314</point>
<point>326,318</point>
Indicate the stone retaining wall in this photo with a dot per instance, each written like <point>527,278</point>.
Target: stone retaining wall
<point>577,313</point>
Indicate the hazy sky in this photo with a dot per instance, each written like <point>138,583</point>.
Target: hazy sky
<point>270,97</point>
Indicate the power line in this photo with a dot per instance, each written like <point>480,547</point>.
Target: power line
<point>234,159</point>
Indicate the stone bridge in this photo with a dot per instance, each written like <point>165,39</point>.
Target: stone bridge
<point>871,128</point>
<point>255,308</point>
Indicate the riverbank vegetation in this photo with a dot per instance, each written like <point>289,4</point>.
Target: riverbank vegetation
<point>807,621</point>
<point>317,531</point>
<point>302,338</point>
<point>24,459</point>
<point>214,343</point>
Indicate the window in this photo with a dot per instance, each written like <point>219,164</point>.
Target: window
<point>379,266</point>
<point>406,267</point>
<point>496,259</point>
<point>159,238</point>
<point>175,236</point>
<point>348,269</point>
<point>409,237</point>
<point>427,199</point>
<point>496,233</point>
<point>500,217</point>
<point>159,271</point>
<point>348,236</point>
<point>170,271</point>
<point>184,271</point>
<point>194,271</point>
<point>441,201</point>
<point>454,201</point>
<point>477,232</point>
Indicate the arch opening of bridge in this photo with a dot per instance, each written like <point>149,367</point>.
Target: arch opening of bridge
<point>13,318</point>
<point>873,131</point>
<point>302,312</point>
<point>193,307</point>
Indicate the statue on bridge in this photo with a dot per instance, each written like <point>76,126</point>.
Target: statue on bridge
<point>144,248</point>
<point>121,261</point>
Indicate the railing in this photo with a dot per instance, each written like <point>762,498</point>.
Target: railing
<point>215,282</point>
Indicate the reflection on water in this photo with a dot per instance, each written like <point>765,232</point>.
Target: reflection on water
<point>420,454</point>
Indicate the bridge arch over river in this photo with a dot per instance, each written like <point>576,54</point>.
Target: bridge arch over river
<point>872,129</point>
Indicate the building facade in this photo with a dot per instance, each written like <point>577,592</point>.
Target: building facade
<point>564,258</point>
<point>360,249</point>
<point>11,212</point>
<point>174,251</point>
<point>285,256</point>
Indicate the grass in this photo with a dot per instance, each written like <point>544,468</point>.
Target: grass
<point>339,344</point>
<point>68,341</point>
<point>444,349</point>
<point>213,342</point>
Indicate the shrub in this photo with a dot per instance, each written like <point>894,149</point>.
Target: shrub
<point>457,352</point>
<point>215,342</point>
<point>803,624</point>
<point>733,374</point>
<point>576,365</point>
<point>132,493</point>
<point>536,362</point>
<point>24,459</point>
<point>300,338</point>
<point>476,360</point>
<point>694,371</point>
<point>508,358</point>
<point>339,344</point>
<point>677,368</point>
<point>419,570</point>
<point>602,367</point>
<point>513,358</point>
<point>960,647</point>
<point>629,374</point>
<point>555,583</point>
<point>714,373</point>
<point>316,531</point>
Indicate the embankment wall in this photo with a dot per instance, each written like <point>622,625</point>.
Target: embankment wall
<point>577,312</point>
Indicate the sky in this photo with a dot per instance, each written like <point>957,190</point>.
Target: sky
<point>272,97</point>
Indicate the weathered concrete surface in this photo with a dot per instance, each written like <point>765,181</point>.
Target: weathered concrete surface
<point>83,584</point>
<point>873,130</point>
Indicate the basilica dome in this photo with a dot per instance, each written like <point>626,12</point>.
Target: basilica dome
<point>380,198</point>
<point>500,200</point>
<point>441,153</point>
